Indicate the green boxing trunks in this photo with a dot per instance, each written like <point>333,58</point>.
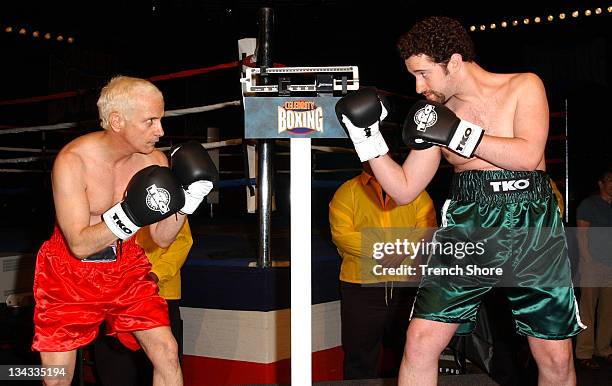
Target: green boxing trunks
<point>501,229</point>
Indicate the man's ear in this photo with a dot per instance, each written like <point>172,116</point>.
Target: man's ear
<point>454,63</point>
<point>116,121</point>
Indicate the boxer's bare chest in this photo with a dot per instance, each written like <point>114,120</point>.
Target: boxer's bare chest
<point>106,184</point>
<point>495,115</point>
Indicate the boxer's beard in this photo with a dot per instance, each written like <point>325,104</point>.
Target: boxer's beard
<point>435,96</point>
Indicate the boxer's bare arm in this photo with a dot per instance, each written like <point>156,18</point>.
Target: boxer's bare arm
<point>530,126</point>
<point>404,183</point>
<point>73,210</point>
<point>164,232</point>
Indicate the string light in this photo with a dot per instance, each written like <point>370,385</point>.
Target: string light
<point>575,13</point>
<point>34,33</point>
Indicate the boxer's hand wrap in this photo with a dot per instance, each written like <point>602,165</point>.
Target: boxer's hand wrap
<point>194,195</point>
<point>360,114</point>
<point>196,171</point>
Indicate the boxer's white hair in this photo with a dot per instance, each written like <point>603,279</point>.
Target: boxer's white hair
<point>119,95</point>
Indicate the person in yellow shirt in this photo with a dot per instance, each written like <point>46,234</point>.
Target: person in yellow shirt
<point>373,309</point>
<point>558,196</point>
<point>117,365</point>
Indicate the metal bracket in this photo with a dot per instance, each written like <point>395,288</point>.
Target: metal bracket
<point>343,79</point>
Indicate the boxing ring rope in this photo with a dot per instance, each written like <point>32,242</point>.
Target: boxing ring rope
<point>174,75</point>
<point>206,145</point>
<point>167,114</point>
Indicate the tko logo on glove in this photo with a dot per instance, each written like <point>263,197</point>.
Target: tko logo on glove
<point>464,139</point>
<point>158,199</point>
<point>121,225</point>
<point>505,186</point>
<point>425,117</point>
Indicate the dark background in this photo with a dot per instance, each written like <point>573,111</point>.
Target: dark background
<point>148,38</point>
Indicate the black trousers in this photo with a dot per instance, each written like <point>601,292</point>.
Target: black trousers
<point>373,317</point>
<point>116,365</point>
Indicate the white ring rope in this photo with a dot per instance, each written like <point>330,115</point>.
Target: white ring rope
<point>212,145</point>
<point>169,113</point>
<point>206,145</point>
<point>194,110</point>
<point>23,171</point>
<point>58,126</point>
<point>27,150</point>
<point>20,160</point>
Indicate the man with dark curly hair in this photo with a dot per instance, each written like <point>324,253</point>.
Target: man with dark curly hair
<point>492,128</point>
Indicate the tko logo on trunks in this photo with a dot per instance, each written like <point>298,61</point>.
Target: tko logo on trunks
<point>505,186</point>
<point>426,117</point>
<point>158,199</point>
<point>300,117</point>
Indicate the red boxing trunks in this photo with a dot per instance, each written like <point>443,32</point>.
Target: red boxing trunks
<point>74,297</point>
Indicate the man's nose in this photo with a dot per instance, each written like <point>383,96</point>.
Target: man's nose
<point>420,86</point>
<point>159,130</point>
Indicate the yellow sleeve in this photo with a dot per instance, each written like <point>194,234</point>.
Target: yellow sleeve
<point>341,211</point>
<point>426,214</point>
<point>168,262</point>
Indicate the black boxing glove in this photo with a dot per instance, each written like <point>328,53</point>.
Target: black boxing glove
<point>153,194</point>
<point>360,113</point>
<point>196,171</point>
<point>409,136</point>
<point>433,123</point>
